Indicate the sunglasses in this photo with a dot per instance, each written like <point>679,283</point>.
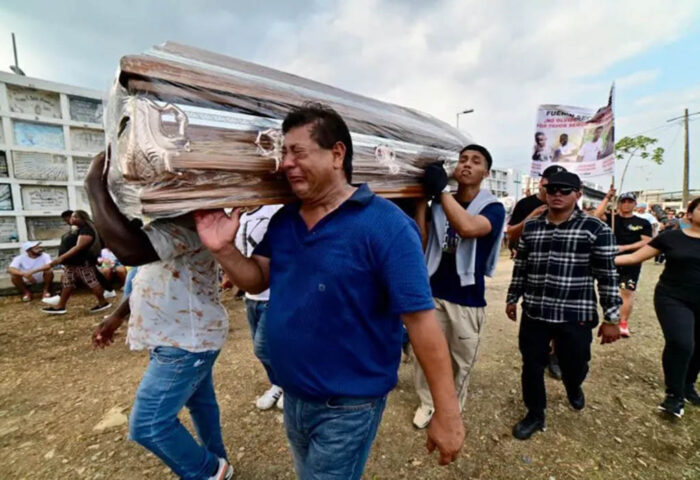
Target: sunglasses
<point>553,189</point>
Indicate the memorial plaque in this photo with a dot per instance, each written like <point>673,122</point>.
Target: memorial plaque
<point>44,198</point>
<point>5,197</point>
<point>80,167</point>
<point>81,199</point>
<point>87,140</point>
<point>85,110</point>
<point>8,230</point>
<point>40,135</point>
<point>34,102</point>
<point>39,166</point>
<point>45,228</point>
<point>6,256</point>
<point>3,165</point>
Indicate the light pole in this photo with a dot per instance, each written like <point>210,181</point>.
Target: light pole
<point>463,112</point>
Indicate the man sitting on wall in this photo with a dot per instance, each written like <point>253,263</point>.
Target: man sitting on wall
<point>21,270</point>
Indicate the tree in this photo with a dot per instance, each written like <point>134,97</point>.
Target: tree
<point>640,146</point>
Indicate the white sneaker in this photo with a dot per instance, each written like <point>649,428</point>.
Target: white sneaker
<point>52,300</point>
<point>110,294</point>
<point>225,471</point>
<point>280,402</point>
<point>268,399</point>
<point>423,415</point>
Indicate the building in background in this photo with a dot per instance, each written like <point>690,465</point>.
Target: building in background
<point>506,185</point>
<point>49,133</point>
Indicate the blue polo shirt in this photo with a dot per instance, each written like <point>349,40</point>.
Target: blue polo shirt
<point>336,295</point>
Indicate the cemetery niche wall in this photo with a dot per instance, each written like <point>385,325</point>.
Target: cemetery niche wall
<point>48,135</point>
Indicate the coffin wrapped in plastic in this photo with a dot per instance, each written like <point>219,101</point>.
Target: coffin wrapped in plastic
<point>189,129</point>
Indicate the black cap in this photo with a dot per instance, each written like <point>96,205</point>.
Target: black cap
<point>627,196</point>
<point>565,179</point>
<point>551,170</point>
<point>481,150</point>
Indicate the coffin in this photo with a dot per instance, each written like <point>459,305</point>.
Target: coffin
<point>189,129</point>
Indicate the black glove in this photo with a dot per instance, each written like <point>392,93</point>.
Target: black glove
<point>434,180</point>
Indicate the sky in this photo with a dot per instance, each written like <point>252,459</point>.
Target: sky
<point>500,58</point>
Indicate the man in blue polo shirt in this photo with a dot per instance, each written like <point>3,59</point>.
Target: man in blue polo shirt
<point>343,267</point>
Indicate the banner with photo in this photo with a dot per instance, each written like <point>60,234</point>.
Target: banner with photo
<point>582,140</point>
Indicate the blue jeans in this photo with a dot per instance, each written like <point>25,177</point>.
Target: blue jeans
<point>176,378</point>
<point>331,440</point>
<point>128,283</point>
<point>257,319</point>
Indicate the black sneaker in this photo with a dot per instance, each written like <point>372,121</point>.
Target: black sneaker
<point>553,367</point>
<point>528,425</point>
<point>692,395</point>
<point>673,406</point>
<point>54,310</point>
<point>577,400</point>
<point>99,308</point>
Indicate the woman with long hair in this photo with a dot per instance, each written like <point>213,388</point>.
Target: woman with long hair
<point>677,305</point>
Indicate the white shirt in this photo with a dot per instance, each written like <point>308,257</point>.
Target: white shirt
<point>565,150</point>
<point>175,302</point>
<point>250,234</point>
<point>107,254</point>
<point>648,217</point>
<point>25,263</point>
<point>589,151</point>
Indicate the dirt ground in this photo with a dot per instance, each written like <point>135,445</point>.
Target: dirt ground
<point>54,389</point>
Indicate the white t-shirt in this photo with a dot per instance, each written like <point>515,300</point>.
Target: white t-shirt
<point>589,151</point>
<point>175,302</point>
<point>648,217</point>
<point>250,234</point>
<point>25,263</point>
<point>564,150</point>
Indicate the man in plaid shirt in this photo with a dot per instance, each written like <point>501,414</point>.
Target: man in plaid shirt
<point>560,253</point>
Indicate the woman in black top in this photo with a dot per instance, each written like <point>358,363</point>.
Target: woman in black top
<point>677,304</point>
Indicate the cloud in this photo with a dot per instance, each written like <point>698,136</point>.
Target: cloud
<point>501,58</point>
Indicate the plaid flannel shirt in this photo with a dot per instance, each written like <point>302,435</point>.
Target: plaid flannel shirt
<point>556,266</point>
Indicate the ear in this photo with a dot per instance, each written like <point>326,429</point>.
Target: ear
<point>338,152</point>
<point>579,194</point>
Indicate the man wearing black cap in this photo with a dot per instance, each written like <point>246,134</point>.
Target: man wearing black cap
<point>560,255</point>
<point>462,239</point>
<point>631,233</point>
<point>526,209</point>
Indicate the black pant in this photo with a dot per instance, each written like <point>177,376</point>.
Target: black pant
<point>680,322</point>
<point>573,341</point>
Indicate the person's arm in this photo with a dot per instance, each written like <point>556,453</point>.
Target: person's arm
<point>514,231</point>
<point>84,242</point>
<point>103,336</point>
<point>465,224</point>
<point>16,271</point>
<point>600,209</point>
<point>218,232</point>
<point>446,430</point>
<point>604,271</point>
<point>641,255</point>
<point>636,245</point>
<point>421,219</point>
<point>518,280</point>
<point>125,239</point>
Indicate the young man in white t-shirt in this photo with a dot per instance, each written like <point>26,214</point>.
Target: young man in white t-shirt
<point>250,234</point>
<point>590,151</point>
<point>21,270</point>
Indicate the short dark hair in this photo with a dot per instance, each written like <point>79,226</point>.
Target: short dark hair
<point>327,129</point>
<point>481,150</point>
<point>66,213</point>
<point>538,134</point>
<point>693,204</point>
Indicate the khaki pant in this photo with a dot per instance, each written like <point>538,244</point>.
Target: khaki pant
<point>462,327</point>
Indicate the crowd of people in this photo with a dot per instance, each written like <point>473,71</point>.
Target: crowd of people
<point>334,281</point>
